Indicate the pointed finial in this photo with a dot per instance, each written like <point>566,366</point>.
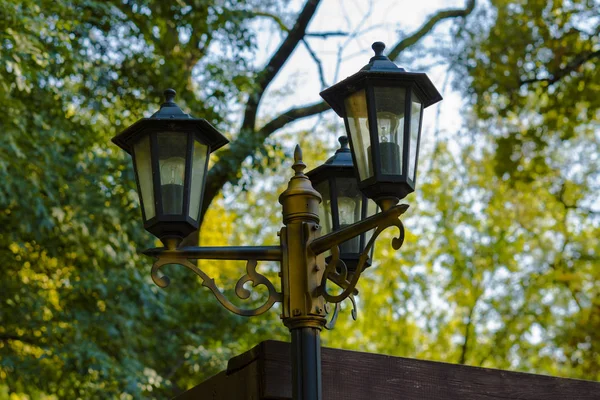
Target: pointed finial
<point>169,95</point>
<point>299,165</point>
<point>378,48</point>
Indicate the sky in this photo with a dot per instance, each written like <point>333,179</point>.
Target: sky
<point>385,20</point>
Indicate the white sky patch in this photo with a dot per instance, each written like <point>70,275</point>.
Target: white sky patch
<point>387,21</point>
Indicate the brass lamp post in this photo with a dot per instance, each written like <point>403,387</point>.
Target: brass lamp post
<point>382,109</point>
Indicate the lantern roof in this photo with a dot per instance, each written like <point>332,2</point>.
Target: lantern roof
<point>171,118</point>
<point>342,159</point>
<point>343,156</point>
<point>382,70</point>
<point>379,62</point>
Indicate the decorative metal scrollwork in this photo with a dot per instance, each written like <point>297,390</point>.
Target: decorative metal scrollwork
<point>341,277</point>
<point>243,293</point>
<point>336,309</point>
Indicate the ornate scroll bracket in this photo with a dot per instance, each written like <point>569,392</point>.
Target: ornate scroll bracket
<point>336,270</point>
<point>336,309</point>
<point>183,257</point>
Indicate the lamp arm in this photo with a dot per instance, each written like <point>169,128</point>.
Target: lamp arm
<point>380,222</point>
<point>324,243</point>
<point>265,253</point>
<point>252,255</point>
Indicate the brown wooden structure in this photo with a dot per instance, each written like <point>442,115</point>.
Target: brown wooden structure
<point>265,373</point>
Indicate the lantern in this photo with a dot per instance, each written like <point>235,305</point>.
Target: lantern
<point>343,203</point>
<point>382,106</point>
<point>170,153</point>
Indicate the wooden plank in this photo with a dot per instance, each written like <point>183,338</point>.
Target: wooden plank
<point>241,380</point>
<point>265,373</point>
<point>366,376</point>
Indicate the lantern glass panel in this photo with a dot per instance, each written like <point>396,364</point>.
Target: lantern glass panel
<point>325,218</point>
<point>143,166</point>
<point>349,202</point>
<point>198,175</point>
<point>389,107</point>
<point>415,122</point>
<point>172,148</point>
<point>358,128</point>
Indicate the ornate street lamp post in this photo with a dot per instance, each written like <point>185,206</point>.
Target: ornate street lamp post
<point>382,106</point>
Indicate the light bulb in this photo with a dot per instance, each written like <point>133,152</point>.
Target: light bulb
<point>388,125</point>
<point>172,176</point>
<point>172,171</point>
<point>347,211</point>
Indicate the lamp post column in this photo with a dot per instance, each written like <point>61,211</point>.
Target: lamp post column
<point>301,273</point>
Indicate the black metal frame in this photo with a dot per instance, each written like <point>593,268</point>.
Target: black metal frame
<point>381,72</point>
<point>170,118</point>
<point>330,176</point>
<point>172,225</point>
<point>329,173</point>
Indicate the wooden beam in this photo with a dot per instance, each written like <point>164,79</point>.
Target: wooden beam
<point>265,373</point>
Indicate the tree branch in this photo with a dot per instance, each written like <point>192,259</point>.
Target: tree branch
<point>561,73</point>
<point>428,27</point>
<point>325,35</point>
<point>292,115</point>
<point>317,61</point>
<point>24,339</point>
<point>276,62</point>
<point>230,162</point>
<point>465,346</point>
<point>274,17</point>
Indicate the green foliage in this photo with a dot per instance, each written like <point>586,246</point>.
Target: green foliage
<point>499,268</point>
<point>80,316</point>
<point>530,67</point>
<point>531,71</point>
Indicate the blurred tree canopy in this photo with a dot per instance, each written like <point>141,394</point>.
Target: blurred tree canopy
<point>500,268</point>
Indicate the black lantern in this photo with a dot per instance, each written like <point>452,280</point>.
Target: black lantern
<point>382,106</point>
<point>170,153</point>
<point>343,203</point>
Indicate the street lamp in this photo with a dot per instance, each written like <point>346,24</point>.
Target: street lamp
<point>343,203</point>
<point>170,157</point>
<point>382,106</point>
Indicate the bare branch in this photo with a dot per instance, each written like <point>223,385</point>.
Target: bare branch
<point>317,61</point>
<point>230,163</point>
<point>291,116</point>
<point>351,37</point>
<point>469,324</point>
<point>283,53</point>
<point>571,67</point>
<point>428,27</point>
<point>274,17</point>
<point>325,35</point>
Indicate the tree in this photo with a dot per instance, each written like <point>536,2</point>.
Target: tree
<point>547,111</point>
<point>79,318</point>
<point>79,315</point>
